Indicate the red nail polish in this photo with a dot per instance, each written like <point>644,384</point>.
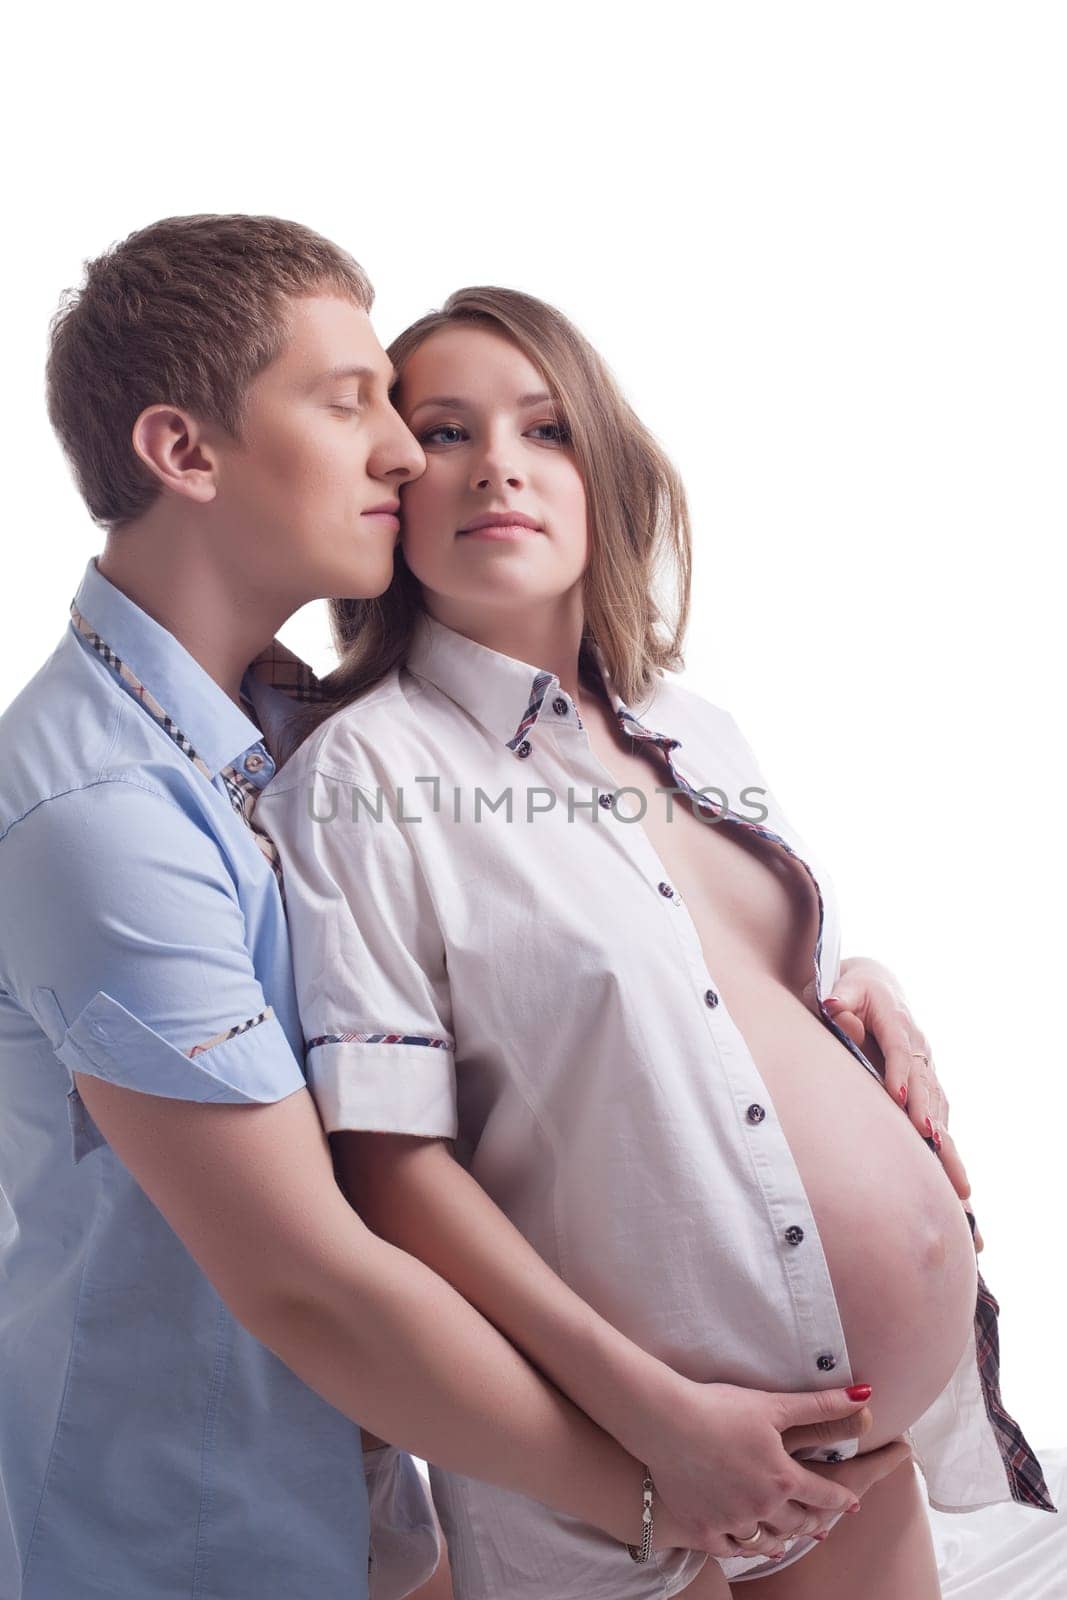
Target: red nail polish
<point>937,1140</point>
<point>859,1391</point>
<point>849,1510</point>
<point>903,1093</point>
<point>831,1000</point>
<point>929,1129</point>
<point>820,1536</point>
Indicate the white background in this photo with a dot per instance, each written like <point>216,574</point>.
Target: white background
<point>823,247</point>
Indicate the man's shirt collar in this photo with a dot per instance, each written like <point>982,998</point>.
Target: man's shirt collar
<point>502,693</point>
<point>218,730</point>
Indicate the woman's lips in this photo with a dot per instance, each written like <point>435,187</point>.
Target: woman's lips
<point>384,520</point>
<point>499,530</point>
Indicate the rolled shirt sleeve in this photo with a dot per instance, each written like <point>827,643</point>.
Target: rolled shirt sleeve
<point>368,957</point>
<point>126,943</point>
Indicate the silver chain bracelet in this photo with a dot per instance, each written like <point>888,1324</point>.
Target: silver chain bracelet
<point>644,1551</point>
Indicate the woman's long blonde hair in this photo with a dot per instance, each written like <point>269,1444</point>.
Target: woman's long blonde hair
<point>637,582</point>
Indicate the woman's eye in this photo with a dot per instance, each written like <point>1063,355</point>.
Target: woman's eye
<point>435,435</point>
<point>345,411</point>
<point>556,431</point>
<point>452,433</point>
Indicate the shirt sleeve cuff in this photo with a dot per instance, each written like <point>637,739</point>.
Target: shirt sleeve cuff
<point>384,1088</point>
<point>107,1041</point>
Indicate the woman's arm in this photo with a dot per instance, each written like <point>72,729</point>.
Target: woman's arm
<point>412,1192</point>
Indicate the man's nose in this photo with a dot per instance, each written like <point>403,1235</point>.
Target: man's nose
<point>400,455</point>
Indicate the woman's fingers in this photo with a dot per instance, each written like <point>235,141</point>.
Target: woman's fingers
<point>769,1543</point>
<point>823,1495</point>
<point>848,1021</point>
<point>979,1242</point>
<point>862,1472</point>
<point>795,1520</point>
<point>909,1074</point>
<point>911,1080</point>
<point>829,1430</point>
<point>953,1164</point>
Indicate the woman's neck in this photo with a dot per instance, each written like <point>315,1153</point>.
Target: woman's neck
<point>549,638</point>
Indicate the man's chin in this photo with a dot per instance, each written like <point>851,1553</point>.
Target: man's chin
<point>362,583</point>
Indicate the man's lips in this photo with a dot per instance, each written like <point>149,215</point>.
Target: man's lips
<point>386,514</point>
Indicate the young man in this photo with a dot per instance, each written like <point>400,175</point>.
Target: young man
<point>193,1320</point>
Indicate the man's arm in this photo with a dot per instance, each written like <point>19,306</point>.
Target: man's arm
<point>251,1192</point>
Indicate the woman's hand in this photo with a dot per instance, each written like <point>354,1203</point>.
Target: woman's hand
<point>858,1474</point>
<point>868,1003</point>
<point>726,1464</point>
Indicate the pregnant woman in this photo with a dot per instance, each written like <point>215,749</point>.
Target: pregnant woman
<point>565,971</point>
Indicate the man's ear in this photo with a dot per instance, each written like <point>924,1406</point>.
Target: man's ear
<point>172,445</point>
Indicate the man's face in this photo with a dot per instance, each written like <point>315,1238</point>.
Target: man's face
<point>322,452</point>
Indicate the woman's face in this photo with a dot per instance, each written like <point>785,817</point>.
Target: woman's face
<point>496,446</point>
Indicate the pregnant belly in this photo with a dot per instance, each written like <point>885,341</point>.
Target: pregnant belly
<point>896,1239</point>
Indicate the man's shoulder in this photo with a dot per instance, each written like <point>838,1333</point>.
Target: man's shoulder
<point>70,732</point>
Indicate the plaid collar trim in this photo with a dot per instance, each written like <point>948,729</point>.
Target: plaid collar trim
<point>139,691</point>
<point>281,668</point>
<point>503,694</point>
<point>276,667</point>
<point>151,664</point>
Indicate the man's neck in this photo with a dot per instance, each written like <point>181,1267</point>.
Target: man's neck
<point>173,579</point>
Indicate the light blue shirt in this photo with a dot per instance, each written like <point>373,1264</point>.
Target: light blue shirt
<point>150,1447</point>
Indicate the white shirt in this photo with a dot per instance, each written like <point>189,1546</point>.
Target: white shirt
<point>536,989</point>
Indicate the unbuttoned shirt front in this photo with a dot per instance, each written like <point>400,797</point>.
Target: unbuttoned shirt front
<point>150,1447</point>
<point>487,948</point>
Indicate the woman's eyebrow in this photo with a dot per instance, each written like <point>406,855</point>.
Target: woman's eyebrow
<point>454,403</point>
<point>449,400</point>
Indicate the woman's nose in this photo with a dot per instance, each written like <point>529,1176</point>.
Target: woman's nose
<point>496,474</point>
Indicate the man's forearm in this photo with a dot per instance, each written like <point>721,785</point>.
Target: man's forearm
<point>395,1348</point>
<point>252,1194</point>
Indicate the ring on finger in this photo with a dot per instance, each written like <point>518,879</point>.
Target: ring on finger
<point>751,1538</point>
